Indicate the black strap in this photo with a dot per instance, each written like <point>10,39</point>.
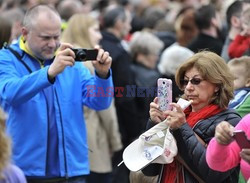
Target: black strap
<point>19,58</point>
<point>161,174</point>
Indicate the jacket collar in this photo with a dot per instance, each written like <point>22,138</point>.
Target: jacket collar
<point>24,46</point>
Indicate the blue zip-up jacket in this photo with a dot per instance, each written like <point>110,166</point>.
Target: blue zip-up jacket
<point>23,99</point>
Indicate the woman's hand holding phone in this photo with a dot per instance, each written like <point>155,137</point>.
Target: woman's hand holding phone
<point>164,93</point>
<point>224,133</point>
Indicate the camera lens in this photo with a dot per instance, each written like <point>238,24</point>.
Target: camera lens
<point>81,54</point>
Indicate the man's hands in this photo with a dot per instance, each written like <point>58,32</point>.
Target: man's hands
<point>224,133</point>
<point>103,63</point>
<point>65,57</point>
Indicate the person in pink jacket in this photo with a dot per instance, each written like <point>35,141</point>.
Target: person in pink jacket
<point>223,152</point>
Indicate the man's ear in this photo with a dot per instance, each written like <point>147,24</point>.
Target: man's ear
<point>247,84</point>
<point>24,33</point>
<point>235,22</point>
<point>118,25</point>
<point>214,22</point>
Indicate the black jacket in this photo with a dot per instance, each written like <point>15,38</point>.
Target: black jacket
<point>146,84</point>
<point>124,78</point>
<point>194,153</point>
<point>206,42</point>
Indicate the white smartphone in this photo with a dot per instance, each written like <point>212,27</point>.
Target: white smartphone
<point>164,93</point>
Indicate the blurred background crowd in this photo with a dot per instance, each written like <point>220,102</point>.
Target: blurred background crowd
<point>147,39</point>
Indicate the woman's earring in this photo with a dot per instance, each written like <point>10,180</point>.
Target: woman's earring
<point>216,91</point>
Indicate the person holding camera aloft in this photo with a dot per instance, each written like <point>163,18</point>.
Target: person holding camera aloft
<point>223,153</point>
<point>208,84</point>
<point>43,89</point>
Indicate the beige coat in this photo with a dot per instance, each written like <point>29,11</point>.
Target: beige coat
<point>103,136</point>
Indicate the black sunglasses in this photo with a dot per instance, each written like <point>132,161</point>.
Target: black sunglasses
<point>194,81</point>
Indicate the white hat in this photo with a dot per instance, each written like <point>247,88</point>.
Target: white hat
<point>157,145</point>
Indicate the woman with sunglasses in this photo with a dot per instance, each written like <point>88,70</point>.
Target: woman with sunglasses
<point>207,81</point>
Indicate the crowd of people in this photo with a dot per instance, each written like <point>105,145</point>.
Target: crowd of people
<point>68,120</point>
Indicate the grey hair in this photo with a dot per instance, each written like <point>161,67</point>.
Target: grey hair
<point>33,13</point>
<point>146,43</point>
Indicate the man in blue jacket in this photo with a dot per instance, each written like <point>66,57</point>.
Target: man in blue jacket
<point>43,90</point>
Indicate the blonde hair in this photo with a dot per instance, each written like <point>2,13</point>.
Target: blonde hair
<point>77,30</point>
<point>244,61</point>
<point>5,145</point>
<point>214,70</point>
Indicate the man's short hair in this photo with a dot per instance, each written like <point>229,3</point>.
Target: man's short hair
<point>204,15</point>
<point>111,16</point>
<point>34,12</point>
<point>233,10</point>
